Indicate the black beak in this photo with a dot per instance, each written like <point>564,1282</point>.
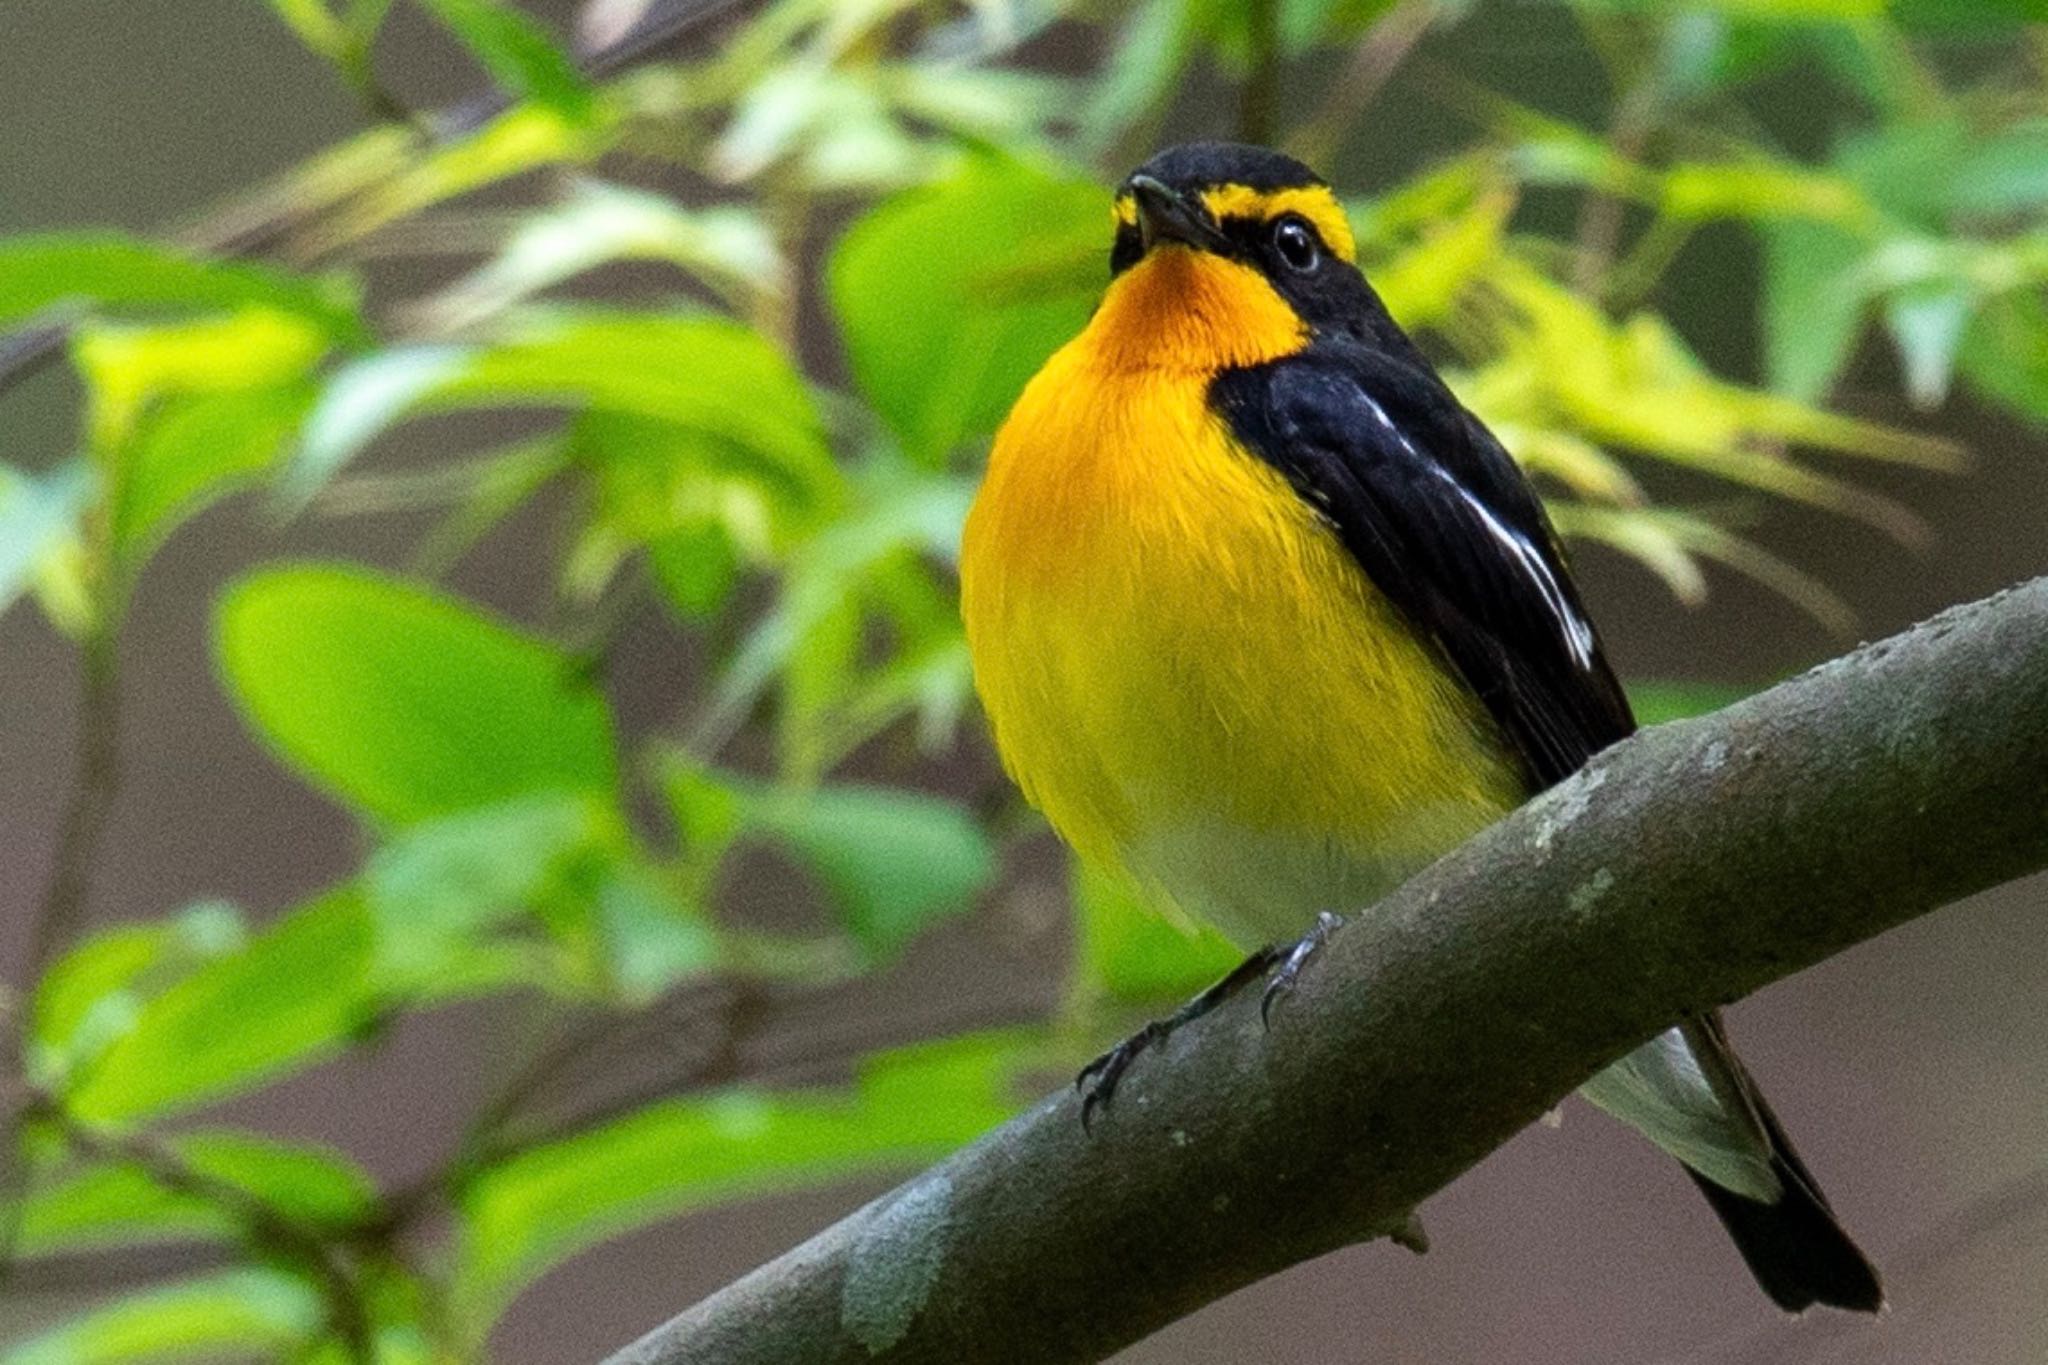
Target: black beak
<point>1166,216</point>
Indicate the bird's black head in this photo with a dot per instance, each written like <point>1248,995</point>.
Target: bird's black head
<point>1258,208</point>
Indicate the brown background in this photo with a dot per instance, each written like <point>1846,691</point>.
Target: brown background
<point>1914,1070</point>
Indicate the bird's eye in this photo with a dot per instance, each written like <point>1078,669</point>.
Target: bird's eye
<point>1296,242</point>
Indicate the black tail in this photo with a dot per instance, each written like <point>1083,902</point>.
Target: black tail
<point>1795,1248</point>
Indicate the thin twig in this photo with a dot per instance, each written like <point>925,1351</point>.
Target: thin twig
<point>727,1061</point>
<point>1601,214</point>
<point>730,1063</point>
<point>92,803</point>
<point>1257,109</point>
<point>62,908</point>
<point>1373,63</point>
<point>266,1226</point>
<point>103,1271</point>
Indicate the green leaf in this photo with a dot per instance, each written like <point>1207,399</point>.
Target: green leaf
<point>1305,23</point>
<point>1133,953</point>
<point>403,703</point>
<point>893,861</point>
<point>705,378</point>
<point>182,412</point>
<point>320,1188</point>
<point>701,508</point>
<point>343,41</point>
<point>194,452</point>
<point>1640,534</point>
<point>1004,106</point>
<point>121,1203</point>
<point>524,138</point>
<point>708,815</point>
<point>440,890</point>
<point>116,272</point>
<point>729,249</point>
<point>1693,535</point>
<point>1761,190</point>
<point>1638,385</point>
<point>1813,310</point>
<point>293,995</point>
<point>357,404</point>
<point>112,1206</point>
<point>2005,173</point>
<point>539,1208</point>
<point>39,518</point>
<point>1658,702</point>
<point>518,53</point>
<point>316,26</point>
<point>872,560</point>
<point>1420,205</point>
<point>1909,168</point>
<point>1548,151</point>
<point>951,296</point>
<point>828,125</point>
<point>236,1312</point>
<point>1927,326</point>
<point>701,374</point>
<point>91,996</point>
<point>2004,354</point>
<point>652,938</point>
<point>696,569</point>
<point>1421,285</point>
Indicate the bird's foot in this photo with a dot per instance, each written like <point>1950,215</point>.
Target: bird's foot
<point>1297,958</point>
<point>1098,1080</point>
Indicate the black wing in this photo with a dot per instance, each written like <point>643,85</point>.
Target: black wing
<point>1439,517</point>
<point>1443,522</point>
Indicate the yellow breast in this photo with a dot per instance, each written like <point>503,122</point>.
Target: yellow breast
<point>1186,671</point>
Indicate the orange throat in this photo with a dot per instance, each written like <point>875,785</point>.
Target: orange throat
<point>1186,310</point>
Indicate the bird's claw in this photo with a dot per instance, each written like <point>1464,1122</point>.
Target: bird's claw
<point>1297,958</point>
<point>1098,1080</point>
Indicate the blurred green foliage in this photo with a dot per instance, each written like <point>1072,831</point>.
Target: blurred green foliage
<point>910,173</point>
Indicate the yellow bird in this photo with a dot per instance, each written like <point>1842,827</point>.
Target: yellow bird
<point>1264,618</point>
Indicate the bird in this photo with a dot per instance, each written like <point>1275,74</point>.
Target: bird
<point>1264,620</point>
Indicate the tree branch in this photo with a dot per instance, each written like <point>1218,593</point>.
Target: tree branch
<point>1682,869</point>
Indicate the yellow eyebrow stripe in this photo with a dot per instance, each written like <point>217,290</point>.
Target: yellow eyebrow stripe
<point>1313,202</point>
